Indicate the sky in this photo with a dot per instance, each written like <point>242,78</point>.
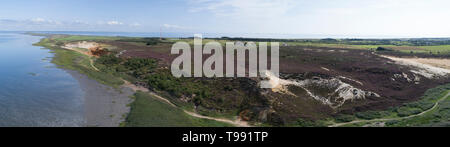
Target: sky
<point>344,18</point>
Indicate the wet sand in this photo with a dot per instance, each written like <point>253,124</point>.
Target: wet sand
<point>104,106</point>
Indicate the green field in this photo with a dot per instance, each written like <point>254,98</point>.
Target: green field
<point>147,111</point>
<point>443,49</point>
<point>86,38</point>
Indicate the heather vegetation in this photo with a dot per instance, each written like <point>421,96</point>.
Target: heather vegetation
<point>146,71</point>
<point>145,63</point>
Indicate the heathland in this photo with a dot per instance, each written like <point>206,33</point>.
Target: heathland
<point>326,82</point>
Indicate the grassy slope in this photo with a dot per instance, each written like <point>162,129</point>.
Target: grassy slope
<point>438,117</point>
<point>78,62</point>
<point>87,38</point>
<point>147,111</point>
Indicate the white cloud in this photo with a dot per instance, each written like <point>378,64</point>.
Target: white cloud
<point>328,17</point>
<point>114,23</point>
<point>8,21</point>
<point>38,20</point>
<point>41,24</point>
<point>41,21</point>
<point>79,22</point>
<point>249,16</point>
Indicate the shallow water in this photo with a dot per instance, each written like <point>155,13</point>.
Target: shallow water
<point>32,91</point>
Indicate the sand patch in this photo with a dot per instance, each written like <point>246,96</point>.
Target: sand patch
<point>427,67</point>
<point>325,68</point>
<point>342,92</point>
<point>82,44</point>
<point>441,63</point>
<point>87,48</point>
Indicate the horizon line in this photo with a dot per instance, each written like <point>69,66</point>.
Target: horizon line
<point>239,35</point>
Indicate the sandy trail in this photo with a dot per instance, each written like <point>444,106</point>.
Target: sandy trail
<point>136,88</point>
<point>391,119</point>
<point>90,56</point>
<point>237,122</point>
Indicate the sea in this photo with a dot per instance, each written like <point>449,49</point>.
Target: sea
<point>33,91</point>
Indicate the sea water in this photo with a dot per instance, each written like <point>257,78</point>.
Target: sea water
<point>33,91</point>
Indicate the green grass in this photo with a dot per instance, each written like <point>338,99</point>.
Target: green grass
<point>147,111</point>
<point>438,49</point>
<point>86,38</point>
<point>72,60</point>
<point>443,49</point>
<point>437,117</point>
<point>228,115</point>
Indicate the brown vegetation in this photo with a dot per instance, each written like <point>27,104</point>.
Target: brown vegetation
<point>395,84</point>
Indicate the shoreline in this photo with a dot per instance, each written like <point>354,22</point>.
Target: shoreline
<point>104,106</point>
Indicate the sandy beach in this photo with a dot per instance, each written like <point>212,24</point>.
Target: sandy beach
<point>104,105</point>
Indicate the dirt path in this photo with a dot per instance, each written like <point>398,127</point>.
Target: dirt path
<point>92,65</point>
<point>237,122</point>
<point>391,119</point>
<point>91,62</point>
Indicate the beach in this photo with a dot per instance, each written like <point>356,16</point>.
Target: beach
<point>104,105</point>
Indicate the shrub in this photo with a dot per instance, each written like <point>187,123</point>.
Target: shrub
<point>345,118</point>
<point>372,114</point>
<point>405,111</point>
<point>384,49</point>
<point>139,63</point>
<point>109,60</point>
<point>309,123</point>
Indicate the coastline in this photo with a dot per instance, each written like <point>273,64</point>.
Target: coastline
<point>104,106</point>
<point>107,93</point>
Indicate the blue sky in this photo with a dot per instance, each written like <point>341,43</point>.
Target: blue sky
<point>349,18</point>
